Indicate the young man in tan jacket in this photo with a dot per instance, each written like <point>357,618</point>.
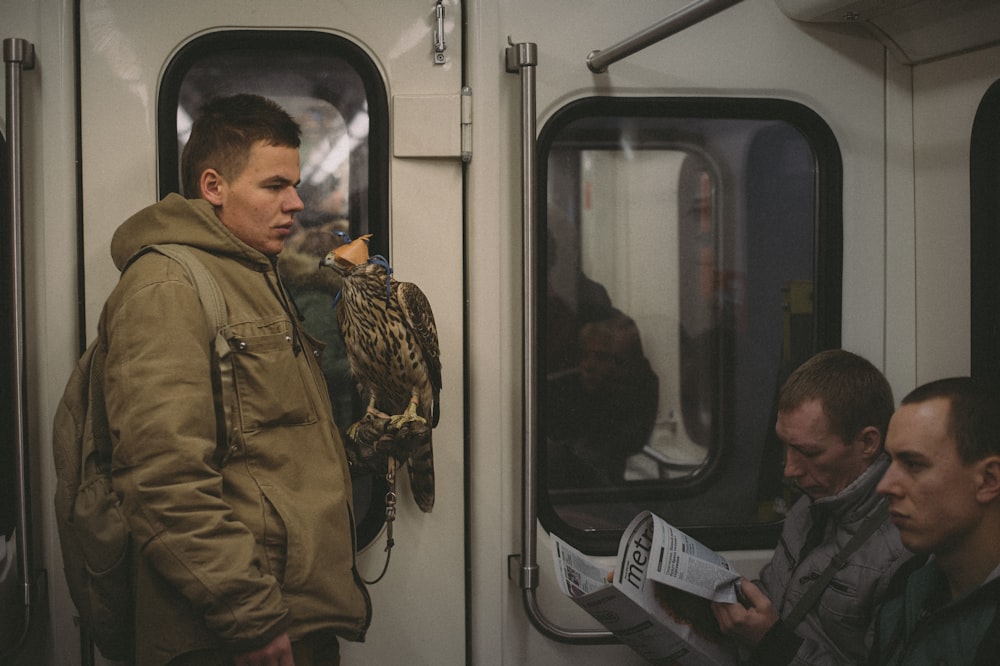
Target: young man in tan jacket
<point>238,499</point>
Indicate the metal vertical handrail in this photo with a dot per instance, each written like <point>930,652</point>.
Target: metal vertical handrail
<point>523,58</point>
<point>19,55</point>
<point>688,15</point>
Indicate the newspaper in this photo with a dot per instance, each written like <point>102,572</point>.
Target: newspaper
<point>657,598</point>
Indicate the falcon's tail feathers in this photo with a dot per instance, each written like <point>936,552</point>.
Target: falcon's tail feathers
<point>421,471</point>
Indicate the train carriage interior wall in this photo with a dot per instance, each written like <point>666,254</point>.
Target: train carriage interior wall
<point>633,223</point>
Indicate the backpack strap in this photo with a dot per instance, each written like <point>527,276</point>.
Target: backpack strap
<point>815,590</point>
<point>214,304</point>
<point>211,296</point>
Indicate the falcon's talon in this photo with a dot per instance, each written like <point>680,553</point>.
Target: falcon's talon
<point>400,420</point>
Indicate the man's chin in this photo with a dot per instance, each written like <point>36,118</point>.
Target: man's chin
<point>814,493</point>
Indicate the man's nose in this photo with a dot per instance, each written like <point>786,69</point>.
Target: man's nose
<point>887,486</point>
<point>792,468</point>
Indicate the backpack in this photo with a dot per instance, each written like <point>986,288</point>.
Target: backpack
<point>93,535</point>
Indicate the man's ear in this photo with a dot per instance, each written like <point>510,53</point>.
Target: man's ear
<point>211,184</point>
<point>871,442</point>
<point>988,476</point>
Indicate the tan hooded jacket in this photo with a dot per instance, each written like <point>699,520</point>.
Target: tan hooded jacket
<point>240,532</point>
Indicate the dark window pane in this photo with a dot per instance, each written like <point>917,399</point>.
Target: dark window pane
<point>683,281</point>
<point>984,176</point>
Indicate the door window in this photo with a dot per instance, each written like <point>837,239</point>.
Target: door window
<point>335,93</point>
<point>692,261</point>
<point>984,175</point>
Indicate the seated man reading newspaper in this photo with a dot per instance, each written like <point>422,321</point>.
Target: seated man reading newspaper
<point>833,413</point>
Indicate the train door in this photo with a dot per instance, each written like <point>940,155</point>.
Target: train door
<point>689,214</point>
<point>377,88</point>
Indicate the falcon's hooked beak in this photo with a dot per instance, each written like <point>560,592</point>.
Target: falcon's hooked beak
<point>346,257</point>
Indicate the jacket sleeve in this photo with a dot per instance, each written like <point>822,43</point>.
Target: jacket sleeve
<point>162,412</point>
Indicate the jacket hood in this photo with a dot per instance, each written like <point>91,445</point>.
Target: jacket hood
<point>183,221</point>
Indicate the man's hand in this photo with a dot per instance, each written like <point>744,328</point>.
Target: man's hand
<point>747,625</point>
<point>276,653</point>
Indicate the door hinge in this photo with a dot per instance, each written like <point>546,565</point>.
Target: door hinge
<point>466,124</point>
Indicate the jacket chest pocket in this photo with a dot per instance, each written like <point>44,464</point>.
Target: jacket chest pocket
<point>846,609</point>
<point>271,379</point>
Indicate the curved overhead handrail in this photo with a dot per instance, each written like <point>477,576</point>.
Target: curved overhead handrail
<point>688,15</point>
<point>522,58</point>
<point>19,55</point>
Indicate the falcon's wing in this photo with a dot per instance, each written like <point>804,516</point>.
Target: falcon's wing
<point>419,317</point>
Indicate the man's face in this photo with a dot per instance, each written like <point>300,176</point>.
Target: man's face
<point>259,205</point>
<point>598,362</point>
<point>932,497</point>
<point>817,459</point>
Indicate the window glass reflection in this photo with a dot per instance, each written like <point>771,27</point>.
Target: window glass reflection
<point>680,273</point>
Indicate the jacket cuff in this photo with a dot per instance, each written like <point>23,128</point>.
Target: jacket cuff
<point>777,648</point>
<point>241,645</point>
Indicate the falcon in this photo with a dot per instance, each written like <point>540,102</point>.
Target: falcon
<point>392,346</point>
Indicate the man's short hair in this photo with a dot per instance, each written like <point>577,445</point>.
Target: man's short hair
<point>224,132</point>
<point>619,336</point>
<point>974,417</point>
<point>854,393</point>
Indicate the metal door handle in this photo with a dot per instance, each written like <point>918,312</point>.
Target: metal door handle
<point>19,55</point>
<point>522,58</point>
